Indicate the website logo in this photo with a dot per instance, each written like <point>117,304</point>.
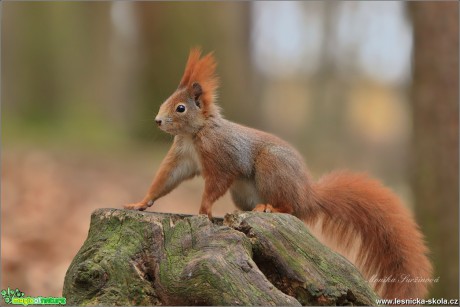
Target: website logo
<point>16,297</point>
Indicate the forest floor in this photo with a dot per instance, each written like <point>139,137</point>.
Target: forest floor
<point>47,196</point>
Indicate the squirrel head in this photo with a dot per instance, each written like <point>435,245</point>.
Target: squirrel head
<point>188,108</point>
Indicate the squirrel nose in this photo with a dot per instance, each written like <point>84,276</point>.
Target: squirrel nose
<point>158,121</point>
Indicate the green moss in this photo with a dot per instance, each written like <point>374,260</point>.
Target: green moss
<point>103,266</point>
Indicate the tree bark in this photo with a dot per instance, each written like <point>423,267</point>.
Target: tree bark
<point>435,95</point>
<point>144,258</point>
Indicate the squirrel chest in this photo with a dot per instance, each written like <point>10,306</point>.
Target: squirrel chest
<point>189,154</point>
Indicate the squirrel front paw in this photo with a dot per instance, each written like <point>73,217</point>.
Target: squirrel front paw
<point>207,212</point>
<point>141,206</point>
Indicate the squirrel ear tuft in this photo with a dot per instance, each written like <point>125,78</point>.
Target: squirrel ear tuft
<point>200,80</point>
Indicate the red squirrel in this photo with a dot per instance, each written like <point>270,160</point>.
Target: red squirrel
<point>264,173</point>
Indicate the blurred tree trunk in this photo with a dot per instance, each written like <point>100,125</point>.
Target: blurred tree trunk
<point>122,64</point>
<point>329,92</point>
<point>435,148</point>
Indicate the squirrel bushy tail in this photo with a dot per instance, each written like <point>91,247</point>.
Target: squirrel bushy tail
<point>354,208</point>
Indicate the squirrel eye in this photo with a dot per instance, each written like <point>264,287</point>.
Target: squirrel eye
<point>180,108</point>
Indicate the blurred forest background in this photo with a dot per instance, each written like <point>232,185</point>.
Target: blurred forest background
<point>369,86</point>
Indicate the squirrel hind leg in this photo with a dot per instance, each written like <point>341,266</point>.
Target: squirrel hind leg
<point>245,195</point>
<point>263,208</point>
<point>270,209</point>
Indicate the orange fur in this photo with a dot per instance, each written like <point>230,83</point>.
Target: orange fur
<point>356,215</point>
<point>354,206</point>
<point>267,208</point>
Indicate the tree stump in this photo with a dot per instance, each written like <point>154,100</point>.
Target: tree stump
<point>249,258</point>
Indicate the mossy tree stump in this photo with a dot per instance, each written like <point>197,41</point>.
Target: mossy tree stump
<point>144,258</point>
